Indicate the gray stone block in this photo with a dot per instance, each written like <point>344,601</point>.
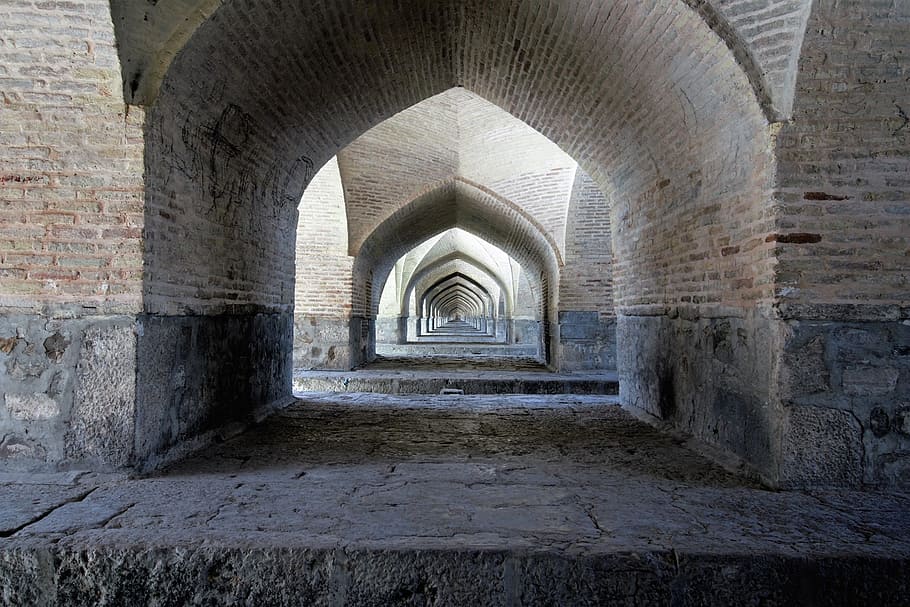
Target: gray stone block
<point>103,420</point>
<point>821,447</point>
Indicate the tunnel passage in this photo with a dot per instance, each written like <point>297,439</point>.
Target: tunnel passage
<point>676,141</point>
<point>150,185</point>
<point>499,299</point>
<point>453,135</point>
<point>664,105</point>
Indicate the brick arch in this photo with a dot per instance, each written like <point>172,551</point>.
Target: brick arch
<point>456,283</point>
<point>646,97</point>
<point>451,204</point>
<point>439,265</point>
<point>151,37</point>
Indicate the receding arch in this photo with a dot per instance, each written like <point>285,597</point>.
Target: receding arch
<point>450,205</point>
<point>441,263</point>
<point>675,138</point>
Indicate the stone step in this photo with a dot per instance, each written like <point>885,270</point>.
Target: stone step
<point>470,382</point>
<point>434,347</point>
<point>380,500</point>
<point>240,574</point>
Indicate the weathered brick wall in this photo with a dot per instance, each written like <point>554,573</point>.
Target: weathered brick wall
<point>71,189</point>
<point>512,159</point>
<point>322,286</point>
<point>230,165</point>
<point>586,279</point>
<point>766,36</point>
<point>843,185</point>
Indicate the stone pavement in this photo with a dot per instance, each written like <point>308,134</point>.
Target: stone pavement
<point>368,499</point>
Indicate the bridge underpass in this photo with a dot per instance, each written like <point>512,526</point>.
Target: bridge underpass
<point>707,197</point>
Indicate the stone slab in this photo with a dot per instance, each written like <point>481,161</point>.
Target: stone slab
<point>428,500</point>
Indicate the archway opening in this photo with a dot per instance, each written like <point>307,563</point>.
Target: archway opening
<point>674,138</point>
<point>490,291</point>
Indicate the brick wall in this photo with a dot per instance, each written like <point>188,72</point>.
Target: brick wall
<point>322,285</point>
<point>586,279</point>
<point>71,189</point>
<point>843,185</point>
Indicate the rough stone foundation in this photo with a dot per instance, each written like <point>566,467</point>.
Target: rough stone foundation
<point>586,341</point>
<point>68,391</point>
<point>708,376</point>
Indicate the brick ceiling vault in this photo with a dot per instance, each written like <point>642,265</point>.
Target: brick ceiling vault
<point>764,35</point>
<point>455,135</point>
<point>649,100</point>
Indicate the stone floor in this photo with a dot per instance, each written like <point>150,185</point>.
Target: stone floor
<point>369,499</point>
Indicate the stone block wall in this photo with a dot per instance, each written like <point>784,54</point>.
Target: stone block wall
<point>845,387</point>
<point>587,341</point>
<point>68,387</point>
<point>708,374</point>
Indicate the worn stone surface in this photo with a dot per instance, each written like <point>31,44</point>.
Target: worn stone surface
<point>463,352</point>
<point>586,341</point>
<point>708,377</point>
<point>379,500</point>
<point>68,391</point>
<point>866,375</point>
<point>323,343</point>
<point>103,423</point>
<point>432,374</point>
<point>822,446</point>
<point>197,374</point>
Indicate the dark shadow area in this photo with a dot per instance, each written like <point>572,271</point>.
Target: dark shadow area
<point>572,434</point>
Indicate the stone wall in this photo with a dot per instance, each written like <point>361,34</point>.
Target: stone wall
<point>68,387</point>
<point>198,376</point>
<point>845,387</point>
<point>710,375</point>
